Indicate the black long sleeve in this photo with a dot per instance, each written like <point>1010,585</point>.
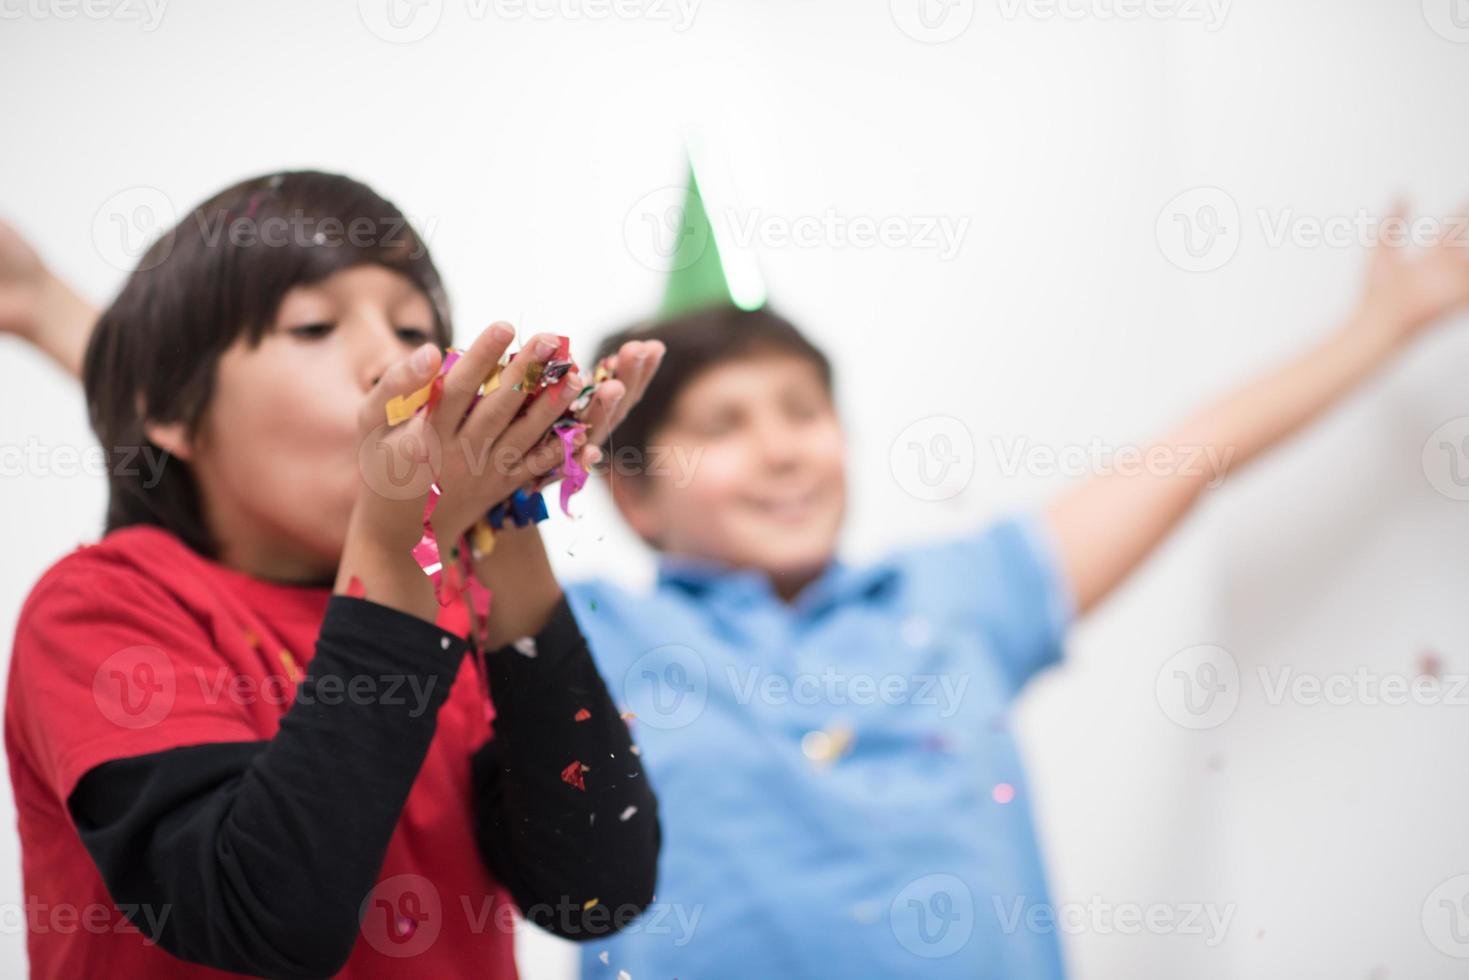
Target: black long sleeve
<point>263,851</point>
<point>567,820</point>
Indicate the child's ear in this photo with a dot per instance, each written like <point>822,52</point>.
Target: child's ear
<point>171,437</point>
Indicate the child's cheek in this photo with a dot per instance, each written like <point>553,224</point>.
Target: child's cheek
<point>717,472</point>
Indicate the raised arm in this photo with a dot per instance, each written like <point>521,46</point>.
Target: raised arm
<point>37,306</point>
<point>1108,525</point>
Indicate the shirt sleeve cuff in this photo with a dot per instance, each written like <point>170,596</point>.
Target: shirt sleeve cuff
<point>540,658</point>
<point>1040,542</point>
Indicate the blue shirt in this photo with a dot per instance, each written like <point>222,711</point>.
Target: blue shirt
<point>839,790</point>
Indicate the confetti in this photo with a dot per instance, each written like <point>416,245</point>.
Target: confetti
<point>573,474</point>
<point>604,957</point>
<point>826,747</point>
<point>572,776</point>
<point>588,905</point>
<point>1003,793</point>
<point>355,588</point>
<point>627,814</point>
<point>293,671</point>
<point>1430,665</point>
<point>581,715</point>
<point>526,646</point>
<point>623,975</point>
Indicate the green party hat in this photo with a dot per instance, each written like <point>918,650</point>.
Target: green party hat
<point>709,268</point>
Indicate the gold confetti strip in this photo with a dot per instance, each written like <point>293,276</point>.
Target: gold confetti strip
<point>402,407</point>
<point>293,671</point>
<point>484,538</point>
<point>588,904</point>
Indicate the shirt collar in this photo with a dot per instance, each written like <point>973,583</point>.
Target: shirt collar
<point>838,583</point>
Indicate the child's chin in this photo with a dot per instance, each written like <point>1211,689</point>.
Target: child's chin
<point>795,557</point>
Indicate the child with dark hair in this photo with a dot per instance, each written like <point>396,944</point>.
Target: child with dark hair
<point>243,730</point>
<point>819,822</point>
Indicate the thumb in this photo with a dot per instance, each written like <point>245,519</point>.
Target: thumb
<point>402,379</point>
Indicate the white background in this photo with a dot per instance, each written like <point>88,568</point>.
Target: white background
<point>523,139</point>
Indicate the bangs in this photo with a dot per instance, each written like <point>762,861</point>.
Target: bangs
<point>272,234</point>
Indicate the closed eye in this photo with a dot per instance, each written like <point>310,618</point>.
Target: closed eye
<point>311,331</point>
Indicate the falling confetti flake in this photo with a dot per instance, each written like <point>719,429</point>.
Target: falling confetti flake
<point>626,815</point>
<point>1430,665</point>
<point>1003,793</point>
<point>604,957</point>
<point>355,588</point>
<point>588,905</point>
<point>826,747</point>
<point>572,776</point>
<point>581,715</point>
<point>526,646</point>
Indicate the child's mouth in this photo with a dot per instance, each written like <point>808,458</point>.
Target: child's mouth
<point>786,508</point>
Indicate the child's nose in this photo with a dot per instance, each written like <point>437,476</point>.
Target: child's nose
<point>380,349</point>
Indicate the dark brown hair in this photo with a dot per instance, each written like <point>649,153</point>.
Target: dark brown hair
<point>698,342</point>
<point>219,274</point>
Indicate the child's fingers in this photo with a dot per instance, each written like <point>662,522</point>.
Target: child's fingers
<point>468,373</point>
<point>401,378</point>
<point>599,413</point>
<point>641,368</point>
<point>489,418</point>
<point>551,453</point>
<point>528,431</point>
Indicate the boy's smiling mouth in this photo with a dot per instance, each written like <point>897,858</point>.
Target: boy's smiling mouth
<point>785,508</point>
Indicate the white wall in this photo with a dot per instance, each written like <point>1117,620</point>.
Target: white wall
<point>529,148</point>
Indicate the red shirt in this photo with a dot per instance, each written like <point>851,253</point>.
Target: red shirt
<point>136,645</point>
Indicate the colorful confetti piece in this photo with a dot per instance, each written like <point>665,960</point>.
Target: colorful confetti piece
<point>572,776</point>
